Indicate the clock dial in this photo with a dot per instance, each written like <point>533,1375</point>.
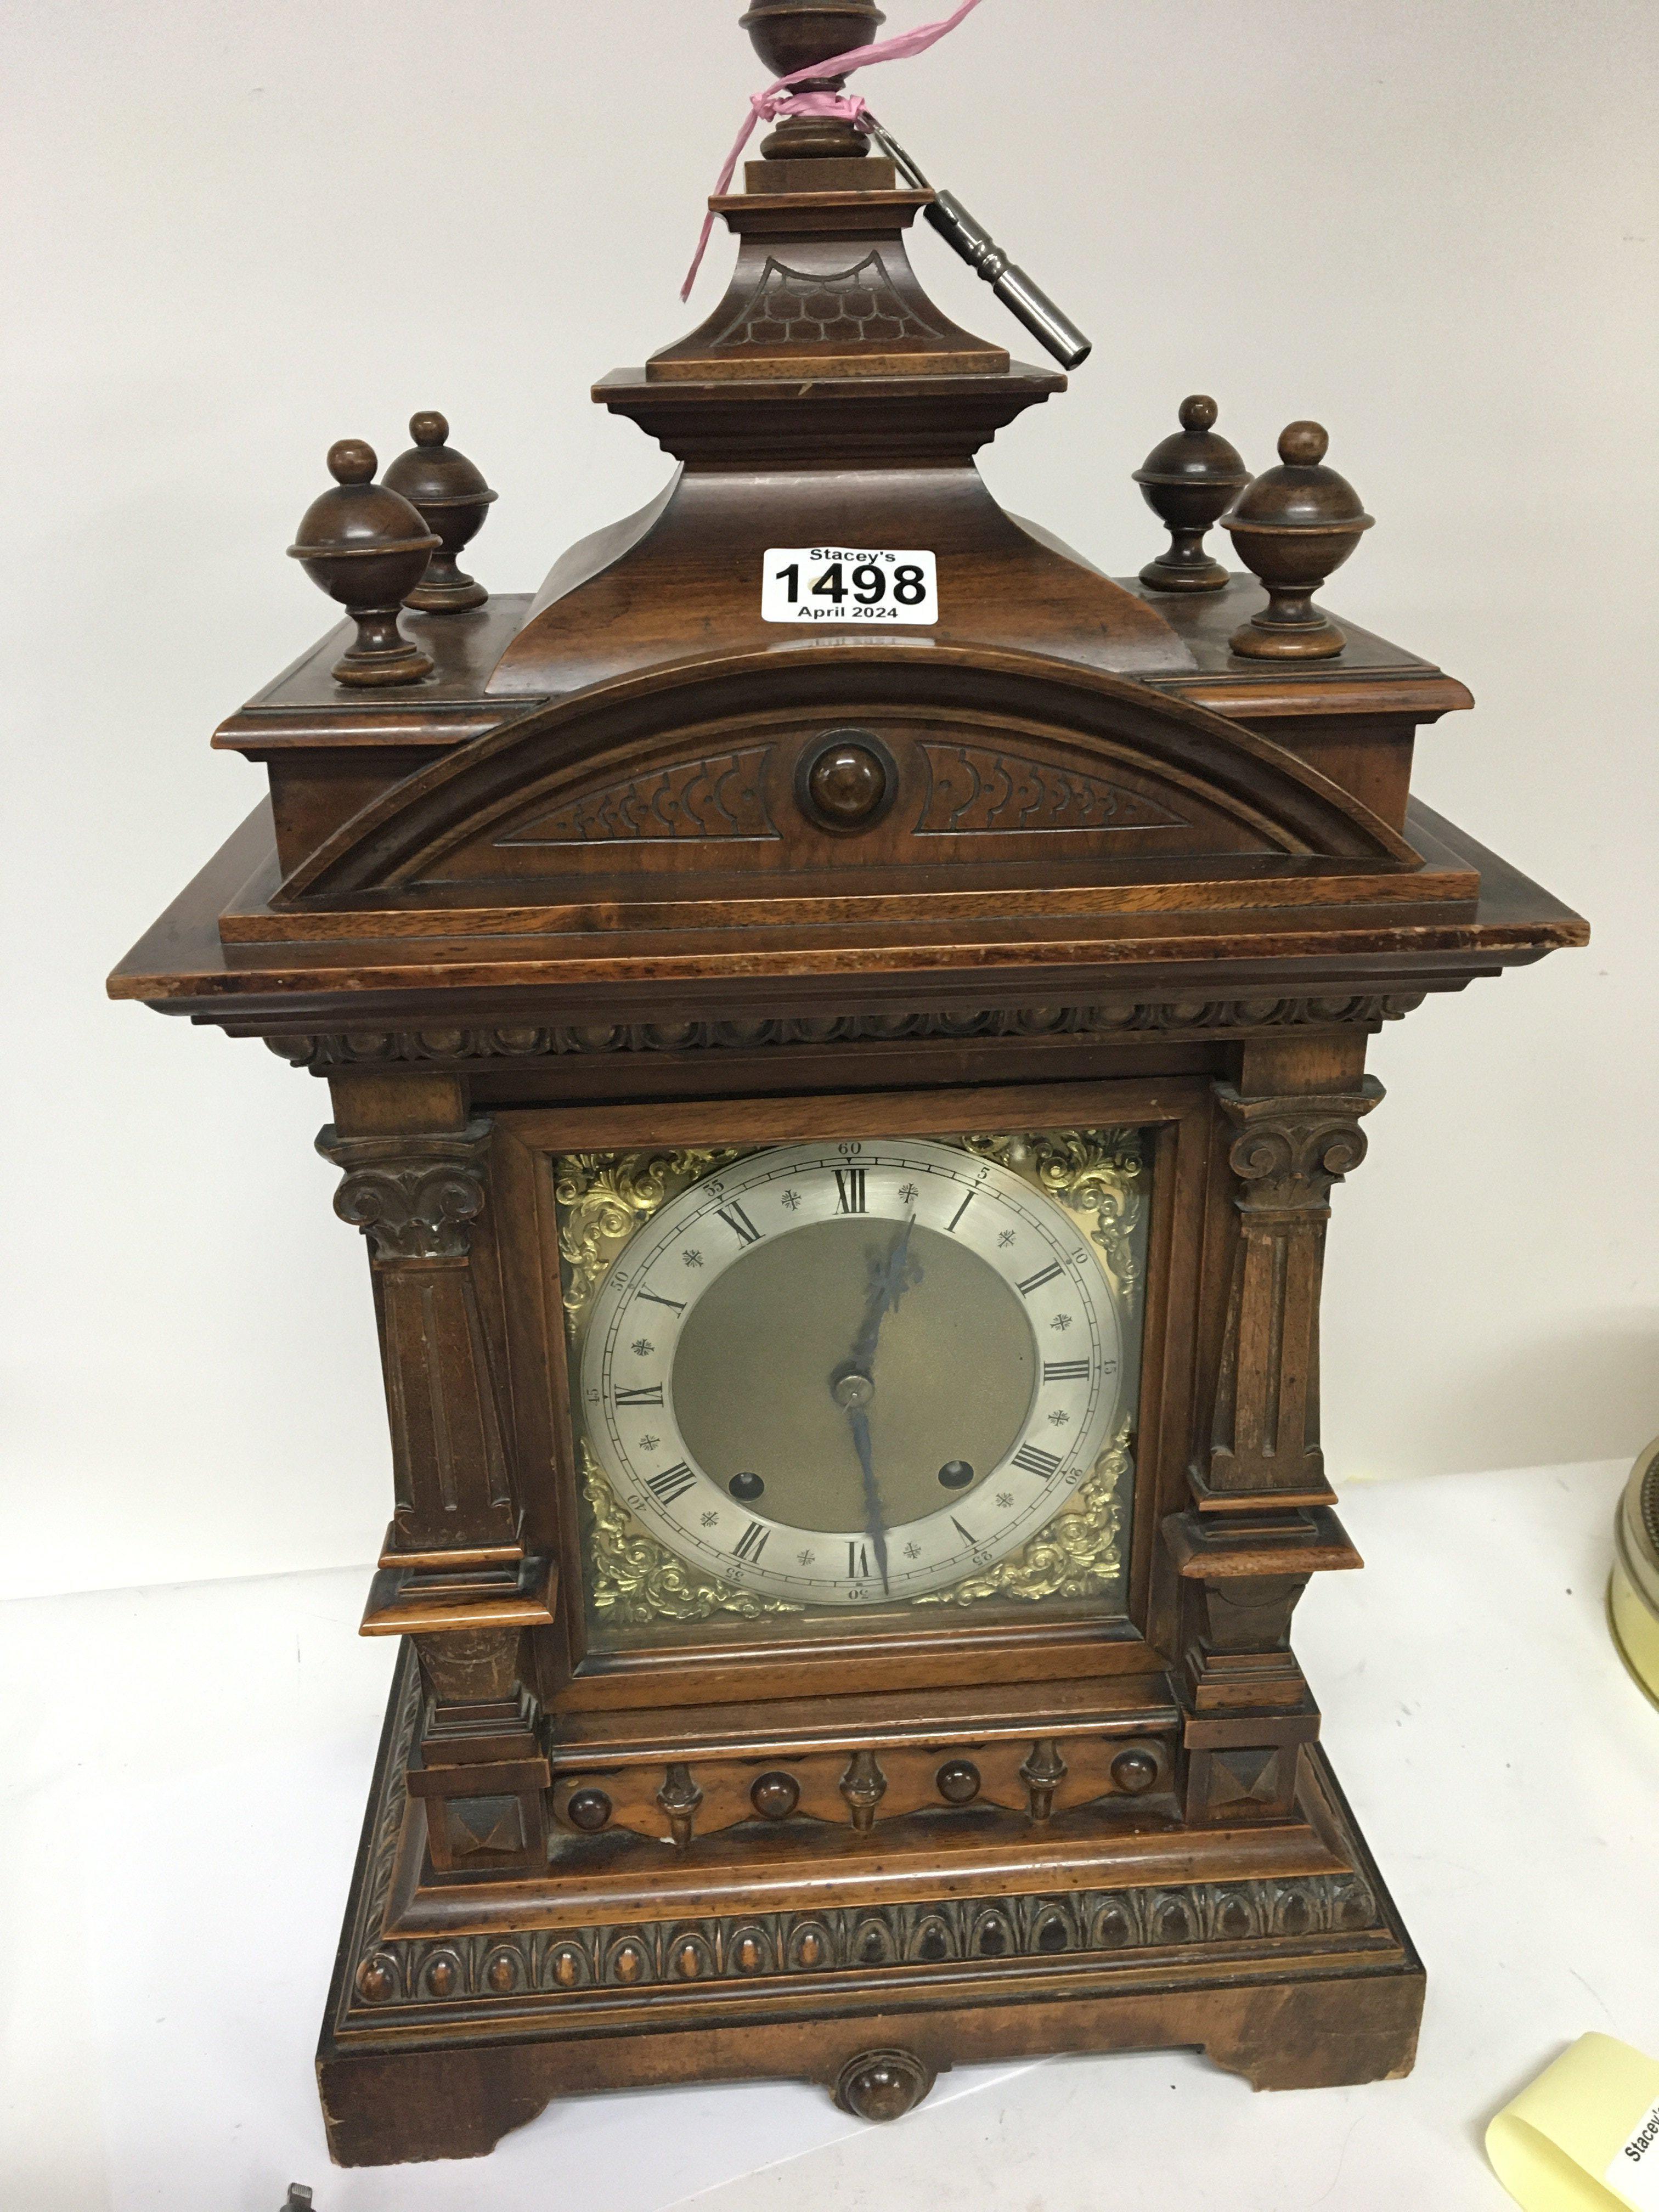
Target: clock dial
<point>851,1375</point>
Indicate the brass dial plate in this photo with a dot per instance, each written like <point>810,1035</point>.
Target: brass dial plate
<point>853,1375</point>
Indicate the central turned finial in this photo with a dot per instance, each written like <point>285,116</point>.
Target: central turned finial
<point>792,35</point>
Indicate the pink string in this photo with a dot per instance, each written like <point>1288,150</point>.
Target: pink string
<point>777,99</point>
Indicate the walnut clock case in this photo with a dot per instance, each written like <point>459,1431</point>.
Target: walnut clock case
<point>843,1025</point>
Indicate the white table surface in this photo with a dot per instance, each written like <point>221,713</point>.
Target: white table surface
<point>187,1769</point>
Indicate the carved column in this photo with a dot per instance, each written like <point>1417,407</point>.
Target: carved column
<point>1286,1155</point>
<point>454,1573</point>
<point>415,1200</point>
<point>1263,1526</point>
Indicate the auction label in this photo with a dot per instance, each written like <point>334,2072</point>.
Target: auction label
<point>848,584</point>
<point>1634,2173</point>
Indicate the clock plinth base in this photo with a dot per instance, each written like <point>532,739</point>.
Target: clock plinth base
<point>438,2042</point>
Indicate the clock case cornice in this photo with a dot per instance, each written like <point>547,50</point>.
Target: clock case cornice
<point>590,813</point>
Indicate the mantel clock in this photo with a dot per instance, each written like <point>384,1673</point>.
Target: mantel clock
<point>843,1025</point>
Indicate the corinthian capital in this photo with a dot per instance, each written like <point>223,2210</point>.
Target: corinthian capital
<point>413,1197</point>
<point>1289,1151</point>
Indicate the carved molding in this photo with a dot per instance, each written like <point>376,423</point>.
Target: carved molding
<point>1286,1155</point>
<point>721,797</point>
<point>414,1198</point>
<point>419,1975</point>
<point>970,1932</point>
<point>376,1047</point>
<point>975,789</point>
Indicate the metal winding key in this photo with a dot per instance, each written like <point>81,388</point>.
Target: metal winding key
<point>970,239</point>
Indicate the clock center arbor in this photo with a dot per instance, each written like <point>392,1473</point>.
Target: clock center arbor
<point>843,1025</point>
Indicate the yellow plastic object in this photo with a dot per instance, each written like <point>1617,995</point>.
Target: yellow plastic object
<point>1585,2137</point>
<point>1633,1591</point>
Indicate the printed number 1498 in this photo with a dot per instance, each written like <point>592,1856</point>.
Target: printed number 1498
<point>848,584</point>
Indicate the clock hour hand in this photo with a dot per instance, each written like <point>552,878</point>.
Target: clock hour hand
<point>889,1283</point>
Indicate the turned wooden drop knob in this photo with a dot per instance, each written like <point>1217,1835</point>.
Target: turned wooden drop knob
<point>366,547</point>
<point>882,2085</point>
<point>589,1810</point>
<point>958,1781</point>
<point>1293,527</point>
<point>1189,480</point>
<point>1135,1771</point>
<point>776,1795</point>
<point>450,497</point>
<point>846,781</point>
<point>849,783</point>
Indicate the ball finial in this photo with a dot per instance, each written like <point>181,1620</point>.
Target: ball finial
<point>1293,527</point>
<point>366,547</point>
<point>1189,479</point>
<point>790,35</point>
<point>352,461</point>
<point>452,499</point>
<point>1303,445</point>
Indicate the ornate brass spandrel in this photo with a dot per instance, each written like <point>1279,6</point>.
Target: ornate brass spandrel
<point>1099,1173</point>
<point>1076,1555</point>
<point>604,1198</point>
<point>635,1582</point>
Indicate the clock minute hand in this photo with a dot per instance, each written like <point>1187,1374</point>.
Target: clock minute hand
<point>876,1526</point>
<point>853,1383</point>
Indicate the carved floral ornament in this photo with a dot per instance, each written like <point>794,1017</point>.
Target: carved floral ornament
<point>1242,1017</point>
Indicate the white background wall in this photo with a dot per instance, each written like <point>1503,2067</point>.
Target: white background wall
<point>235,233</point>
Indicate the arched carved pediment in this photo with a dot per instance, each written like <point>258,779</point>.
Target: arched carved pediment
<point>991,760</point>
<point>992,788</point>
<point>721,796</point>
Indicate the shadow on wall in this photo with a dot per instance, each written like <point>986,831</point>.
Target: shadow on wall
<point>1588,1391</point>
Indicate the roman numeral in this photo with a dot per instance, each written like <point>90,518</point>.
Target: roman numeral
<point>1065,1370</point>
<point>858,1563</point>
<point>738,1222</point>
<point>1036,1282</point>
<point>752,1542</point>
<point>674,1305</point>
<point>1034,1461</point>
<point>962,1209</point>
<point>673,1482</point>
<point>653,1396</point>
<point>849,1190</point>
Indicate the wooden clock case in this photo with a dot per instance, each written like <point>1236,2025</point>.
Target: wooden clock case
<point>573,892</point>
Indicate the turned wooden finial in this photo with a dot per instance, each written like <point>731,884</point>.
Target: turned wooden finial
<point>451,498</point>
<point>366,547</point>
<point>1189,481</point>
<point>1293,527</point>
<point>792,35</point>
